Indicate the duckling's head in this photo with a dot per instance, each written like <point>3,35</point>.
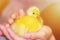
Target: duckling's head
<point>33,11</point>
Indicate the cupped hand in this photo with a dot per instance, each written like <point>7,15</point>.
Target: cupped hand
<point>45,33</point>
<point>6,27</point>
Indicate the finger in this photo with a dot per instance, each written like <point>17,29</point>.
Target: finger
<point>15,15</point>
<point>20,39</point>
<point>30,39</point>
<point>12,34</point>
<point>3,29</point>
<point>52,37</point>
<point>10,21</point>
<point>44,33</point>
<point>1,33</point>
<point>37,39</point>
<point>12,18</point>
<point>21,12</point>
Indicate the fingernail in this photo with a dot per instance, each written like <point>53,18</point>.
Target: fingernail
<point>21,12</point>
<point>7,25</point>
<point>10,21</point>
<point>13,16</point>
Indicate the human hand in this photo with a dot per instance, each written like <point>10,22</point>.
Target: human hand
<point>45,33</point>
<point>6,28</point>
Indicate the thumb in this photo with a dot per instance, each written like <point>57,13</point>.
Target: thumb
<point>44,33</point>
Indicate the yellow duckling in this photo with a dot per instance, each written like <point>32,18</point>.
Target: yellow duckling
<point>27,23</point>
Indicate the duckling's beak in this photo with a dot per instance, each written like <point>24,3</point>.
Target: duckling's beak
<point>38,16</point>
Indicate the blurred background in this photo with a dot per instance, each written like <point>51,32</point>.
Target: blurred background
<point>50,11</point>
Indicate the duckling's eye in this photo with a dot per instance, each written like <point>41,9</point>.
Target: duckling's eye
<point>33,13</point>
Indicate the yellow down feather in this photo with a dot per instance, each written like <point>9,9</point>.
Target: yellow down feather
<point>28,23</point>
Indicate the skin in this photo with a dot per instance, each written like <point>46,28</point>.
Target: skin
<point>15,5</point>
<point>45,33</point>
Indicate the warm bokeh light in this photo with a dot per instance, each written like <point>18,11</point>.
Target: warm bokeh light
<point>51,17</point>
<point>3,3</point>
